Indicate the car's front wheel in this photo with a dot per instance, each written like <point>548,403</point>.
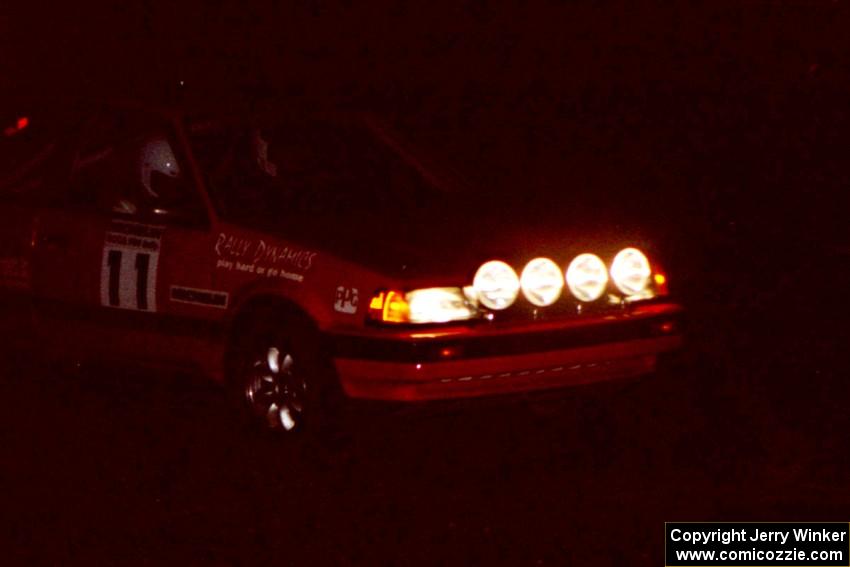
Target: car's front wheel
<point>277,374</point>
<point>275,389</point>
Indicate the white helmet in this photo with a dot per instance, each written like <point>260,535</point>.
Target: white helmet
<point>157,156</point>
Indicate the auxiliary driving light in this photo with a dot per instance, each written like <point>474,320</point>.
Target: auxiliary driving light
<point>496,284</point>
<point>542,282</point>
<point>631,271</point>
<point>587,277</point>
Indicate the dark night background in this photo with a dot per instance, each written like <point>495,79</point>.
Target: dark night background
<point>721,126</point>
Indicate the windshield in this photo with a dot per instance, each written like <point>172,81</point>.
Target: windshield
<point>537,174</point>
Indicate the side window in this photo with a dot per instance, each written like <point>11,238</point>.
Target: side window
<point>268,170</point>
<point>242,179</point>
<point>130,165</point>
<point>260,172</point>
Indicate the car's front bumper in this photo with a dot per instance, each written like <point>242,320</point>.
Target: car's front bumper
<point>481,361</point>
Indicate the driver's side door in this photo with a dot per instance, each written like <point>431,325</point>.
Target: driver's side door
<point>130,227</point>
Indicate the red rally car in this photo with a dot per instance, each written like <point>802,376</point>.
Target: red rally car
<point>302,259</point>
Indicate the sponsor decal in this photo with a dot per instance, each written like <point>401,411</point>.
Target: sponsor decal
<point>136,229</point>
<point>206,297</point>
<point>128,267</point>
<point>347,300</point>
<point>256,256</point>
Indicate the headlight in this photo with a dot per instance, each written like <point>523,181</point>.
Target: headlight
<point>428,305</point>
<point>542,282</point>
<point>438,305</point>
<point>631,271</point>
<point>587,277</point>
<point>496,284</point>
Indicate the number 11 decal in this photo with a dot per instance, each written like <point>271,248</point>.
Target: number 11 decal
<point>128,278</point>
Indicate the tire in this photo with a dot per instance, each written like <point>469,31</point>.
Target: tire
<point>278,377</point>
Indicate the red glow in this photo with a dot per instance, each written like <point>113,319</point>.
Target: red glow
<point>449,352</point>
<point>22,123</point>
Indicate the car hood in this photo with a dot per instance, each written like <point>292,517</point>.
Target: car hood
<point>448,248</point>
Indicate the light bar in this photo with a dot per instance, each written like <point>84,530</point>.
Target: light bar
<point>496,285</point>
<point>542,282</point>
<point>631,271</point>
<point>587,277</point>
